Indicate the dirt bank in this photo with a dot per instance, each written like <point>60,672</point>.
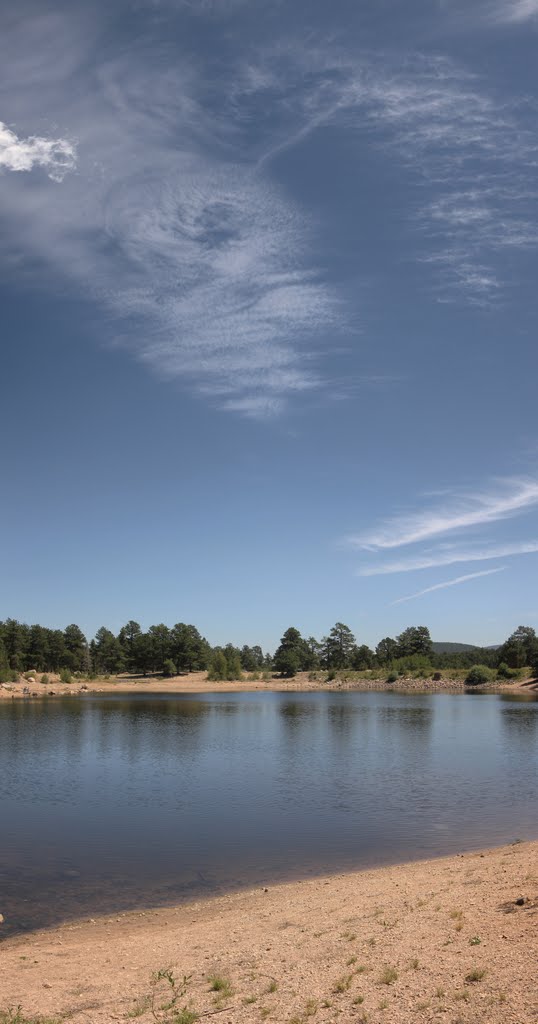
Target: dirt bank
<point>452,940</point>
<point>197,682</point>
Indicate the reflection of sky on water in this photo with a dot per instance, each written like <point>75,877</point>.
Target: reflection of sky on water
<point>149,798</point>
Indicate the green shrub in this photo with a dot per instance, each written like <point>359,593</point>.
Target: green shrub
<point>478,675</point>
<point>437,676</point>
<point>392,677</point>
<point>65,675</point>
<point>169,668</point>
<point>331,675</point>
<point>504,672</point>
<point>30,675</point>
<point>218,668</point>
<point>44,680</point>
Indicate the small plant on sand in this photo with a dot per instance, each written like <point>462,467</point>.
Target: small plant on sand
<point>249,999</point>
<point>44,679</point>
<point>475,975</point>
<point>457,917</point>
<point>65,675</point>
<point>461,995</point>
<point>311,1008</point>
<point>352,960</point>
<point>165,986</point>
<point>357,1000</point>
<point>185,1016</point>
<point>217,983</point>
<point>14,1015</point>
<point>272,986</point>
<point>440,993</point>
<point>388,976</point>
<point>414,964</point>
<point>342,984</point>
<point>140,1007</point>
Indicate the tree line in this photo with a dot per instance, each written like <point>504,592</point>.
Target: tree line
<point>181,648</point>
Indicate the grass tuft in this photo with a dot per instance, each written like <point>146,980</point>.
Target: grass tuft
<point>342,984</point>
<point>388,976</point>
<point>475,975</point>
<point>217,983</point>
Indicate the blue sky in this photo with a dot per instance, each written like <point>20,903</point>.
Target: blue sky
<point>269,315</point>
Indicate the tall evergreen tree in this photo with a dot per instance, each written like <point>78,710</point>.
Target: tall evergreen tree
<point>127,637</point>
<point>293,654</point>
<point>386,650</point>
<point>414,640</point>
<point>75,648</point>
<point>338,647</point>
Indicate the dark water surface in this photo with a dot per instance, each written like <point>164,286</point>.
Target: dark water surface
<point>111,803</point>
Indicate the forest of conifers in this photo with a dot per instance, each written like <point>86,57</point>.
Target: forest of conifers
<point>181,648</point>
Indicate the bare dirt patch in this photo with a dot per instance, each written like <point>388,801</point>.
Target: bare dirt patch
<point>420,942</point>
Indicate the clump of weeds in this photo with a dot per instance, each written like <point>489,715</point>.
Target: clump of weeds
<point>342,984</point>
<point>165,986</point>
<point>388,976</point>
<point>221,985</point>
<point>475,975</point>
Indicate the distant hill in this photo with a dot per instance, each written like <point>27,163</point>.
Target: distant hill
<point>450,648</point>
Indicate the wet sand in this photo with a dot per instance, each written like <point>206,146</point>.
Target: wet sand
<point>453,939</point>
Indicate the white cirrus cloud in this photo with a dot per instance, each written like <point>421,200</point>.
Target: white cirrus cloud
<point>475,151</point>
<point>451,556</point>
<point>56,156</point>
<point>516,11</point>
<point>449,583</point>
<point>509,498</point>
<point>176,222</point>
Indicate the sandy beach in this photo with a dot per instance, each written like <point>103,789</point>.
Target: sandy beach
<point>453,939</point>
<point>197,682</point>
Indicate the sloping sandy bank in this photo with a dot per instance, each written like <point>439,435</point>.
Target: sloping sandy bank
<point>441,940</point>
<point>197,682</point>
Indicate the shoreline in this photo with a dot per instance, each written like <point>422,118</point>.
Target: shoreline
<point>420,940</point>
<point>197,682</point>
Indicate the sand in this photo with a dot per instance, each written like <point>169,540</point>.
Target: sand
<point>453,939</point>
<point>197,682</point>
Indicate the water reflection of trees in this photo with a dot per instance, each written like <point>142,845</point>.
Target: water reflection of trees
<point>413,722</point>
<point>520,723</point>
<point>348,722</point>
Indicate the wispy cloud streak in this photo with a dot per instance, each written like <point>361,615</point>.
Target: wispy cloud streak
<point>176,199</point>
<point>434,559</point>
<point>516,11</point>
<point>449,583</point>
<point>511,497</point>
<point>477,152</point>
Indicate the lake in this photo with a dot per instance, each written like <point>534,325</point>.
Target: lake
<point>110,803</point>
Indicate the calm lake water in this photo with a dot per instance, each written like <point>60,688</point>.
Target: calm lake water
<point>108,804</point>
